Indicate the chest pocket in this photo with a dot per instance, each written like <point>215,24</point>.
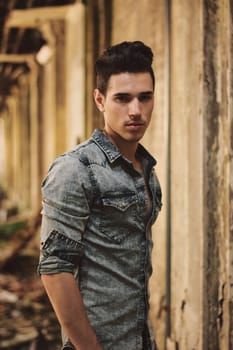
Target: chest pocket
<point>118,215</point>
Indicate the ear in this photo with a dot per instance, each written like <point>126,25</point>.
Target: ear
<point>99,100</point>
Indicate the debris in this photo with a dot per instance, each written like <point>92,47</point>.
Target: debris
<point>27,320</point>
<point>7,297</point>
<point>20,238</point>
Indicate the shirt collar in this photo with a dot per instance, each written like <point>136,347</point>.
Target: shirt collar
<point>110,150</point>
<point>113,153</point>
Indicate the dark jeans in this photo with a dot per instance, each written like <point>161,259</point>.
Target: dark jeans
<point>145,337</point>
<point>146,340</point>
<point>67,346</point>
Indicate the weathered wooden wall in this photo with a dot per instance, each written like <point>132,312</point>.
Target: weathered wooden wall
<point>186,177</point>
<point>191,135</point>
<point>218,175</point>
<point>146,21</point>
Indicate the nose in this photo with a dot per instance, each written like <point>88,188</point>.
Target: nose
<point>134,108</point>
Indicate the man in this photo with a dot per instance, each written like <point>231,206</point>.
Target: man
<point>99,202</point>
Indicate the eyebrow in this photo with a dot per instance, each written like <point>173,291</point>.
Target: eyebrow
<point>147,93</point>
<point>125,94</point>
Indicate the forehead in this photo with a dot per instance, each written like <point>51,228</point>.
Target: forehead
<point>130,83</point>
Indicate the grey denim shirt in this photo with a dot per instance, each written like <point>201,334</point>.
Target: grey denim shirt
<point>96,225</point>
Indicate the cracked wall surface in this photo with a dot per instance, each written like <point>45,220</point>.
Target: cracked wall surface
<point>193,121</point>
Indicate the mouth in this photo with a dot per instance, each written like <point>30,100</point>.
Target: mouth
<point>135,126</point>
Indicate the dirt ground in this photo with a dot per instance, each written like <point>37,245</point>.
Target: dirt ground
<point>27,321</point>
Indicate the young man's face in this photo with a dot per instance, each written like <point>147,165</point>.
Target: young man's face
<point>127,106</point>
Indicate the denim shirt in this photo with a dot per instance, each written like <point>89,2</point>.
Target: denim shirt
<point>96,225</point>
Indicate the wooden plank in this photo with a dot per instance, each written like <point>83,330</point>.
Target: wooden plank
<point>34,16</point>
<point>16,58</point>
<point>170,344</point>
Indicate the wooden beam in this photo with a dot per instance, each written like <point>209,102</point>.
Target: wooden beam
<point>14,58</point>
<point>5,30</point>
<point>34,16</point>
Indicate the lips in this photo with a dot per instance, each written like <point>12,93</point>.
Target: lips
<point>135,126</point>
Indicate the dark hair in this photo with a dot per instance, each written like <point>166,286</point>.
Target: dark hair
<point>131,57</point>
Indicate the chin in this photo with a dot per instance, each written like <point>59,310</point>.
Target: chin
<point>134,138</point>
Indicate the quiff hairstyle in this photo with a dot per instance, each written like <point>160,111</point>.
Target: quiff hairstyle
<point>130,57</point>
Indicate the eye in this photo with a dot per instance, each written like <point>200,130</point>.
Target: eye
<point>145,97</point>
<point>122,98</point>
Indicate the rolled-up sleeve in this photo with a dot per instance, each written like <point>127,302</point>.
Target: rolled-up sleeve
<point>64,216</point>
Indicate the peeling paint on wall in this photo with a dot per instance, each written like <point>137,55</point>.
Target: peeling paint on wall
<point>218,174</point>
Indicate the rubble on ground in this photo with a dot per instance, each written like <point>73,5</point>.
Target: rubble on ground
<point>27,320</point>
